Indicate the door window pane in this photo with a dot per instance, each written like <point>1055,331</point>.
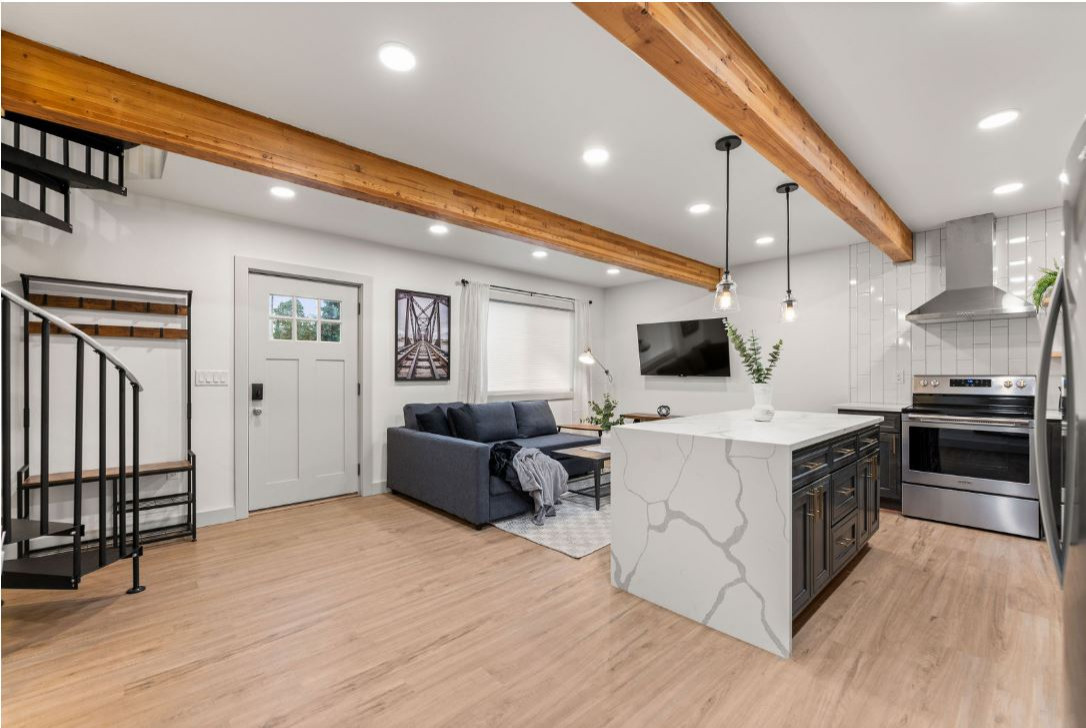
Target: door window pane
<point>329,331</point>
<point>282,305</point>
<point>307,330</point>
<point>330,310</point>
<point>281,329</point>
<point>307,307</point>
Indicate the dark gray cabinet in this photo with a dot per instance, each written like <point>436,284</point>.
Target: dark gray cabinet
<point>835,502</point>
<point>889,453</point>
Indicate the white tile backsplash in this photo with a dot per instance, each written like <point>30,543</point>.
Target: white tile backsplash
<point>886,351</point>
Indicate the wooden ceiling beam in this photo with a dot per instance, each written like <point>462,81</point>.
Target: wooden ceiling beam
<point>696,49</point>
<point>57,86</point>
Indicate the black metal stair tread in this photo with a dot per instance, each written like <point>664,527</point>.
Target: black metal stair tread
<point>24,529</point>
<point>53,571</point>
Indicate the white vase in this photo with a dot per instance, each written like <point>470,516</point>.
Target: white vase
<point>763,403</point>
<point>605,440</point>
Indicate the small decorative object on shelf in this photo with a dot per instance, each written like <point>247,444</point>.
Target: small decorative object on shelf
<point>1042,289</point>
<point>603,414</point>
<point>750,351</point>
<point>663,410</point>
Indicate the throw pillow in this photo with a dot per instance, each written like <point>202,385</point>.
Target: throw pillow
<point>434,422</point>
<point>534,419</point>
<point>494,421</point>
<point>461,424</point>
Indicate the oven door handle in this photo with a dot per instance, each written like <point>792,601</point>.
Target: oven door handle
<point>1049,513</point>
<point>978,422</point>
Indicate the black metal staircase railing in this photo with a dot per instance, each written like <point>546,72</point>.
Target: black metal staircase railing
<point>65,568</point>
<point>85,160</point>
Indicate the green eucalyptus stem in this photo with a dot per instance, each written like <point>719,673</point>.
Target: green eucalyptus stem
<point>750,351</point>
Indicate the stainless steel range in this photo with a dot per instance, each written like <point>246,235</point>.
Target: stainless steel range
<point>967,445</point>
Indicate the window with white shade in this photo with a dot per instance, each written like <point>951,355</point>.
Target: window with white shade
<point>529,350</point>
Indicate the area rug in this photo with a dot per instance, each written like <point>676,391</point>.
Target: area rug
<point>577,530</point>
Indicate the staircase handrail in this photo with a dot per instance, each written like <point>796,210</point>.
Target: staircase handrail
<point>70,329</point>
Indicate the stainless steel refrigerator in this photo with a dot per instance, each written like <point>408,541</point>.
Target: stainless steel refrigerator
<point>1062,489</point>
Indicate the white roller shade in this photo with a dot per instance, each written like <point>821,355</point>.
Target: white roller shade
<point>529,349</point>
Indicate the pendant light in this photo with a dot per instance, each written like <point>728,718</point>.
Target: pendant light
<point>727,294</point>
<point>788,305</point>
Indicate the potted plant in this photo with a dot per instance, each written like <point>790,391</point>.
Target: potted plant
<point>750,351</point>
<point>1042,289</point>
<point>603,414</point>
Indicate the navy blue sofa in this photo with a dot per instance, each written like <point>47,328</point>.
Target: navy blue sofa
<point>453,474</point>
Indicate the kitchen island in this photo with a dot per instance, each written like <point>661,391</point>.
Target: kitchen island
<point>738,524</point>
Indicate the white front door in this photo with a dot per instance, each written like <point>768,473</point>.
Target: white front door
<point>303,426</point>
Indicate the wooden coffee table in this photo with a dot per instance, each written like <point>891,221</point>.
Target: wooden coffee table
<point>598,460</point>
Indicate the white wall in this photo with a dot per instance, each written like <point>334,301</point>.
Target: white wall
<point>145,240</point>
<point>886,351</point>
<point>813,372</point>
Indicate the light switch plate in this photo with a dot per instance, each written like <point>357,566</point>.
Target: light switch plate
<point>212,378</point>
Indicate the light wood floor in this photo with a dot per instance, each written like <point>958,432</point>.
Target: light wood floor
<point>379,612</point>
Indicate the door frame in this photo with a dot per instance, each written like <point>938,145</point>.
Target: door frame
<point>243,268</point>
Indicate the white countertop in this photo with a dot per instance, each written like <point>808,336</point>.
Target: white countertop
<point>788,429</point>
<point>874,406</point>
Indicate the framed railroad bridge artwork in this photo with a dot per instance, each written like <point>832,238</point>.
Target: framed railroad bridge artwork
<point>422,336</point>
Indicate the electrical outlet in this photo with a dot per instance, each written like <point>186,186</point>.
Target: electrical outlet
<point>212,378</point>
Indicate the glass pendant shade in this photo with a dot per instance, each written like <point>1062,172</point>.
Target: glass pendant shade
<point>789,310</point>
<point>727,295</point>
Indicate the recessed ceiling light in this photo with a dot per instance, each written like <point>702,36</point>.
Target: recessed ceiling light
<point>1007,188</point>
<point>396,57</point>
<point>613,271</point>
<point>539,253</point>
<point>283,193</point>
<point>595,156</point>
<point>1064,179</point>
<point>998,119</point>
<point>439,229</point>
<point>764,240</point>
<point>1015,241</point>
<point>699,208</point>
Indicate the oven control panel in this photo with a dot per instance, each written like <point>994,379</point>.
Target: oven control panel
<point>1021,385</point>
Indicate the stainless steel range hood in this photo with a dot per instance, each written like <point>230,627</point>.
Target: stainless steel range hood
<point>969,294</point>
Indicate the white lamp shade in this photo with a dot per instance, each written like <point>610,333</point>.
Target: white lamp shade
<point>587,358</point>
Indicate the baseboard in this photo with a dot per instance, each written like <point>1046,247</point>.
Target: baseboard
<point>375,488</point>
<point>211,518</point>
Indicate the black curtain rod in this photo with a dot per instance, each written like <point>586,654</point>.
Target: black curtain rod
<point>465,281</point>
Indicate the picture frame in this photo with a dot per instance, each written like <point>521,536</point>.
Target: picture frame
<point>422,348</point>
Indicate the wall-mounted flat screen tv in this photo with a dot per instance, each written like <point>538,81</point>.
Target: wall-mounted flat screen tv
<point>684,348</point>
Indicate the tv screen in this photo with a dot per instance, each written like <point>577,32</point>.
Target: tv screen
<point>684,348</point>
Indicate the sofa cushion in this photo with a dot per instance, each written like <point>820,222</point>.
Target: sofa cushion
<point>558,441</point>
<point>534,418</point>
<point>494,422</point>
<point>462,424</point>
<point>434,422</point>
<point>410,411</point>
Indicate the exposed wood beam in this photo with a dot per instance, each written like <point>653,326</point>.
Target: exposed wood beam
<point>696,49</point>
<point>51,84</point>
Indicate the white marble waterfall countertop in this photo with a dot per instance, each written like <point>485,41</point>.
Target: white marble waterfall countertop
<point>793,430</point>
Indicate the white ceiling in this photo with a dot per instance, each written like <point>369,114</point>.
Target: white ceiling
<point>506,97</point>
<point>901,86</point>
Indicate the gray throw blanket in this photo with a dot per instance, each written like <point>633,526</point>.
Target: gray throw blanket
<point>543,478</point>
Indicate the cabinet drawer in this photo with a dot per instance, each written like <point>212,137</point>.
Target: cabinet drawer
<point>844,542</point>
<point>868,440</point>
<point>844,492</point>
<point>809,465</point>
<point>843,451</point>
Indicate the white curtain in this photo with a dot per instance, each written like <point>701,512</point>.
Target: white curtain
<point>471,378</point>
<point>582,375</point>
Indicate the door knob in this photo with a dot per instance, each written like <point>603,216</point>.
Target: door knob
<point>258,411</point>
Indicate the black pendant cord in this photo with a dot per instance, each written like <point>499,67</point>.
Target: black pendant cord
<point>727,207</point>
<point>788,241</point>
<point>787,189</point>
